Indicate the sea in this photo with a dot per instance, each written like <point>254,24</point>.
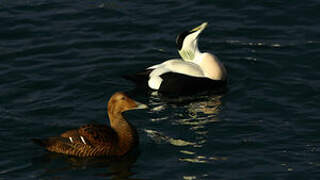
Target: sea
<point>61,60</point>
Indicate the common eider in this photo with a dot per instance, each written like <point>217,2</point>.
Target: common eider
<point>99,140</point>
<point>196,71</point>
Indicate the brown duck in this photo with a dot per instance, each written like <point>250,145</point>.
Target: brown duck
<point>99,140</point>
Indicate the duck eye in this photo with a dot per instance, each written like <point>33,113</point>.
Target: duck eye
<point>123,98</point>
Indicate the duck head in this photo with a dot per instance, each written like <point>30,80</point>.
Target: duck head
<point>120,102</point>
<point>187,42</point>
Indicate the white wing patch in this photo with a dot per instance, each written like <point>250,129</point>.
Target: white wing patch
<point>187,68</point>
<point>70,138</point>
<point>164,63</point>
<point>82,139</point>
<point>155,82</point>
<point>175,65</point>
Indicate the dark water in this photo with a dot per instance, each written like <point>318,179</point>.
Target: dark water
<point>60,61</point>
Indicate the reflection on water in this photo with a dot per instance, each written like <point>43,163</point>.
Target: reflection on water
<point>159,138</point>
<point>201,159</point>
<point>12,169</point>
<point>195,113</point>
<point>209,107</point>
<point>114,168</point>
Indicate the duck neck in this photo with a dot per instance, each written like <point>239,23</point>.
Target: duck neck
<point>197,58</point>
<point>127,134</point>
<point>191,52</point>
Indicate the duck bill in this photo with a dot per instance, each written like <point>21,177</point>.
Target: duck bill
<point>195,32</point>
<point>140,105</point>
<point>200,28</point>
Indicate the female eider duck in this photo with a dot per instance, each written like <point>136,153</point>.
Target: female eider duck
<point>99,140</point>
<point>195,72</point>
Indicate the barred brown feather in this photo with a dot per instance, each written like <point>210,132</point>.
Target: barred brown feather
<point>98,140</point>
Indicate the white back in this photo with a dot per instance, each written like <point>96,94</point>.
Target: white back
<point>211,66</point>
<point>177,66</point>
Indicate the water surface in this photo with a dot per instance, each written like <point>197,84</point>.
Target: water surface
<point>60,61</point>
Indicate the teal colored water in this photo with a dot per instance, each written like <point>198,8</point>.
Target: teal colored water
<point>60,61</point>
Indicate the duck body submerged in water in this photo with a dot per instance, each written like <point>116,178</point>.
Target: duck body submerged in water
<point>195,72</point>
<point>99,140</point>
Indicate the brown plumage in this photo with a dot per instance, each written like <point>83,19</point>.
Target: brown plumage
<point>99,140</point>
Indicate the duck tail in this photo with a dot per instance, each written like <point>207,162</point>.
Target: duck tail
<point>41,142</point>
<point>140,78</point>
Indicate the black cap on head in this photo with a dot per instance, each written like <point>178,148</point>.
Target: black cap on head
<point>180,38</point>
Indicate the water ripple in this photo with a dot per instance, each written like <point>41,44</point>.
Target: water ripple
<point>61,61</point>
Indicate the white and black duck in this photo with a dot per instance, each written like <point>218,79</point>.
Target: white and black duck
<point>195,72</point>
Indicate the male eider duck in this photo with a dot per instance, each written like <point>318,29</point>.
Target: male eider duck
<point>195,72</point>
<point>99,140</point>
